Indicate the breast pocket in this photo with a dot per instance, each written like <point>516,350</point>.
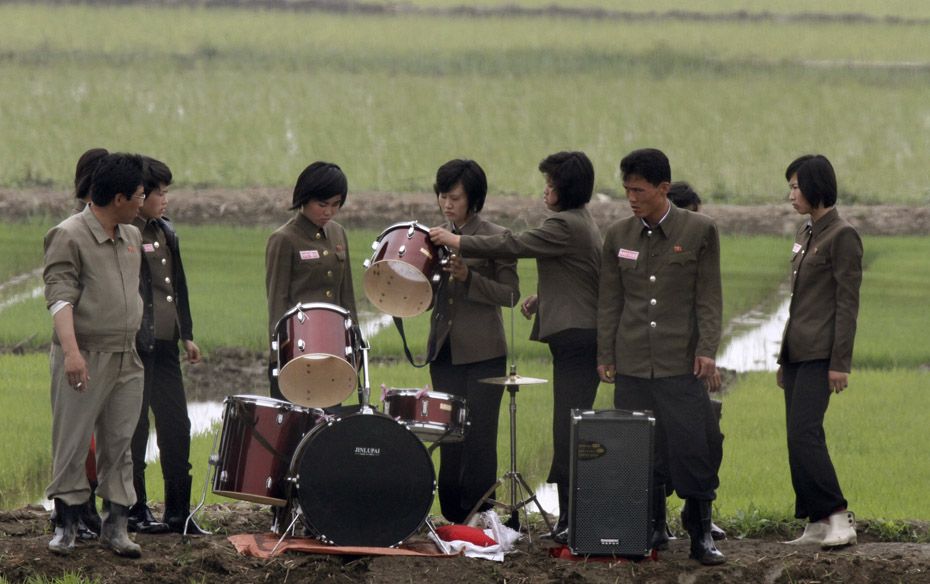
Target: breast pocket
<point>816,263</point>
<point>684,262</point>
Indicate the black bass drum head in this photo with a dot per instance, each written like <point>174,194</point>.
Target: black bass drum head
<point>363,480</point>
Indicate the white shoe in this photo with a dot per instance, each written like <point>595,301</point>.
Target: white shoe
<point>842,530</point>
<point>813,534</point>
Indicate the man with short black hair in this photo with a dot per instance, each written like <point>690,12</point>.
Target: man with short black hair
<point>91,275</point>
<point>659,321</point>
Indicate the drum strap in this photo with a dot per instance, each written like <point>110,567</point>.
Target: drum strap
<point>399,323</point>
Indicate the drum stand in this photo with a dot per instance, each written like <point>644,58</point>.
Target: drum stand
<point>521,494</point>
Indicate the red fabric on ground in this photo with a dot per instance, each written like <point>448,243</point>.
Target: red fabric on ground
<point>563,553</point>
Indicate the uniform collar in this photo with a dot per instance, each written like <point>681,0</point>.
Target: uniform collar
<point>99,233</point>
<point>821,224</point>
<point>311,228</point>
<point>470,227</point>
<point>668,222</point>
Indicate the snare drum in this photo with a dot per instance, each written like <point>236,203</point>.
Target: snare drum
<point>317,355</point>
<point>402,272</point>
<point>363,480</point>
<point>431,415</point>
<point>260,435</point>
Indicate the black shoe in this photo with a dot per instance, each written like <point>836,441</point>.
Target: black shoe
<point>659,538</point>
<point>141,520</point>
<point>177,507</point>
<point>717,533</point>
<point>560,537</point>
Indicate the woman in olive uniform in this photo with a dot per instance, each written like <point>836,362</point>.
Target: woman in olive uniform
<point>307,258</point>
<point>467,341</point>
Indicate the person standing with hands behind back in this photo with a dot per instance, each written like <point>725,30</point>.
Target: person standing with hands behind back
<point>816,350</point>
<point>567,248</point>
<point>166,319</point>
<point>467,341</point>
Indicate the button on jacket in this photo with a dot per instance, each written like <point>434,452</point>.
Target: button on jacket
<point>166,307</point>
<point>304,263</point>
<point>826,270</point>
<point>567,248</point>
<point>468,314</point>
<point>99,277</point>
<point>660,302</point>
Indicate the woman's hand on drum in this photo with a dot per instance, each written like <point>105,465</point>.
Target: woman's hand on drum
<point>457,268</point>
<point>529,305</point>
<point>440,236</point>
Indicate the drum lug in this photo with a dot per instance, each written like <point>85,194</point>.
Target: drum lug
<point>274,372</point>
<point>274,345</point>
<point>411,231</point>
<point>223,476</point>
<point>401,251</point>
<point>214,460</point>
<point>436,278</point>
<point>366,264</point>
<point>424,407</point>
<point>301,317</point>
<point>280,418</point>
<point>301,345</point>
<point>375,244</point>
<point>268,483</point>
<point>349,351</point>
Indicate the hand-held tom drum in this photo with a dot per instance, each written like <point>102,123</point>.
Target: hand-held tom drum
<point>431,415</point>
<point>403,270</point>
<point>258,441</point>
<point>317,355</point>
<point>363,480</point>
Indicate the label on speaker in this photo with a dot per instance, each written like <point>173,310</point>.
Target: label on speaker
<point>589,450</point>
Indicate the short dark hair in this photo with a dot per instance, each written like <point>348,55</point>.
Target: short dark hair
<point>84,171</point>
<point>682,195</point>
<point>318,182</point>
<point>116,174</point>
<point>816,179</point>
<point>154,174</point>
<point>649,163</point>
<point>470,174</point>
<point>572,175</point>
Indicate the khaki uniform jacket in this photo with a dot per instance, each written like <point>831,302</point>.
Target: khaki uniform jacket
<point>468,314</point>
<point>567,248</point>
<point>826,273</point>
<point>660,301</point>
<point>304,263</point>
<point>99,276</point>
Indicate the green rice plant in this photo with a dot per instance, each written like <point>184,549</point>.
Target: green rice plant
<point>27,429</point>
<point>382,96</point>
<point>882,472</point>
<point>66,577</point>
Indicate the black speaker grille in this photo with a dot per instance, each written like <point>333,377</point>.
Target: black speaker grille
<point>611,478</point>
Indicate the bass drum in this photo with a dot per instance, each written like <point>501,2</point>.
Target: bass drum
<point>363,480</point>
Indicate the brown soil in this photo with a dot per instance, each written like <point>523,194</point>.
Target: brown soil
<point>168,558</point>
<point>24,533</point>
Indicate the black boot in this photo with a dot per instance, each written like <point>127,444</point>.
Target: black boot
<point>659,538</point>
<point>560,531</point>
<point>113,531</point>
<point>66,519</point>
<point>178,507</point>
<point>717,532</point>
<point>696,517</point>
<point>89,521</point>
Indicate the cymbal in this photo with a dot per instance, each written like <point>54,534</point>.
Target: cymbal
<point>513,380</point>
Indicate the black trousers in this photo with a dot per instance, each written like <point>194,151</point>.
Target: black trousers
<point>574,385</point>
<point>807,395</point>
<point>688,442</point>
<point>467,469</point>
<point>164,393</point>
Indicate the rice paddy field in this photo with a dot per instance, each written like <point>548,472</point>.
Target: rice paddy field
<point>238,97</point>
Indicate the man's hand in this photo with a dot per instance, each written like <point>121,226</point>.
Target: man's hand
<point>607,373</point>
<point>76,370</point>
<point>529,306</point>
<point>193,352</point>
<point>706,368</point>
<point>837,380</point>
<point>780,378</point>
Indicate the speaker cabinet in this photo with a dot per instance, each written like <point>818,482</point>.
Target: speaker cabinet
<point>610,502</point>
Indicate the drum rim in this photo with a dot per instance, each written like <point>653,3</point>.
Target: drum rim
<point>405,391</point>
<point>267,400</point>
<point>305,306</point>
<point>416,224</point>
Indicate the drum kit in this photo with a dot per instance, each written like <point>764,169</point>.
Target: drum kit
<point>363,478</point>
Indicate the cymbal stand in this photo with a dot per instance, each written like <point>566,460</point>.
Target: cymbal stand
<point>212,461</point>
<point>521,494</point>
<point>364,392</point>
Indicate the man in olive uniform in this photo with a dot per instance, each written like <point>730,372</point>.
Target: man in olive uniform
<point>166,319</point>
<point>91,275</point>
<point>659,321</point>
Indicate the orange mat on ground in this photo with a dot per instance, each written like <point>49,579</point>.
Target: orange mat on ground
<point>260,545</point>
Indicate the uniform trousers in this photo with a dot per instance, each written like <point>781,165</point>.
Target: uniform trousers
<point>467,469</point>
<point>688,442</point>
<point>164,393</point>
<point>574,386</point>
<point>807,395</point>
<point>107,409</point>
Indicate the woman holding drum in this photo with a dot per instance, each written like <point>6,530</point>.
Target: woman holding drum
<point>567,248</point>
<point>307,258</point>
<point>467,340</point>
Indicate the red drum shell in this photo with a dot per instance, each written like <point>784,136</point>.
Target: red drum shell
<point>430,416</point>
<point>260,435</point>
<point>317,356</point>
<point>403,270</point>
